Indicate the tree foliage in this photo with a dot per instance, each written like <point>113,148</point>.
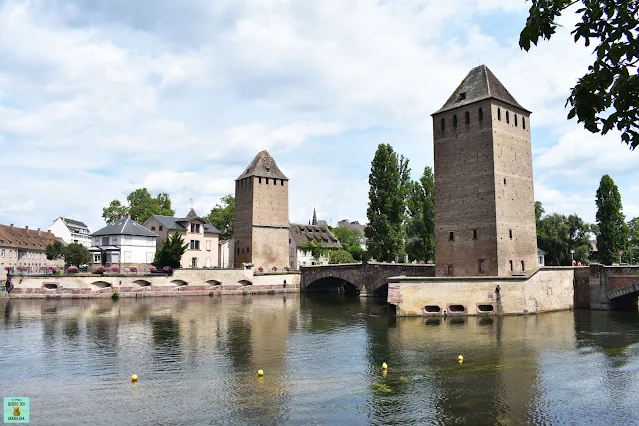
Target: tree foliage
<point>386,211</point>
<point>606,96</point>
<point>222,216</point>
<point>341,256</point>
<point>420,229</point>
<point>140,205</point>
<point>315,248</point>
<point>73,254</point>
<point>348,237</point>
<point>357,252</point>
<point>633,241</point>
<point>558,234</point>
<point>613,230</point>
<point>170,252</point>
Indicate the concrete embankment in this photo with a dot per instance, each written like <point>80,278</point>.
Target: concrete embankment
<point>182,282</point>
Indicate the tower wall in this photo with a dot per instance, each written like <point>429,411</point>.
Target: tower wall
<point>465,192</point>
<point>243,222</point>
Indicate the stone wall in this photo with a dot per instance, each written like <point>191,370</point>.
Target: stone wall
<point>182,281</point>
<point>546,289</point>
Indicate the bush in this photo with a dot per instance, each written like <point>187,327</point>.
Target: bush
<point>100,270</point>
<point>274,269</point>
<point>167,269</point>
<point>153,269</point>
<point>260,269</point>
<point>133,269</point>
<point>115,269</point>
<point>341,256</point>
<point>72,269</point>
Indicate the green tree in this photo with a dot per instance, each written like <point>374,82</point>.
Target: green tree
<point>558,234</point>
<point>140,205</point>
<point>606,96</point>
<point>613,231</point>
<point>54,251</point>
<point>357,252</point>
<point>386,211</point>
<point>222,216</point>
<point>114,211</point>
<point>170,252</point>
<point>633,241</point>
<point>420,227</point>
<point>315,248</point>
<point>341,256</point>
<point>348,237</point>
<point>539,210</point>
<point>75,255</point>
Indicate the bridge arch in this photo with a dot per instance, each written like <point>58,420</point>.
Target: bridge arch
<point>332,284</point>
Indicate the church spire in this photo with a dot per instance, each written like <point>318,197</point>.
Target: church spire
<point>314,217</point>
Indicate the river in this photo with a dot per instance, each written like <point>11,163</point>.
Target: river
<point>197,358</point>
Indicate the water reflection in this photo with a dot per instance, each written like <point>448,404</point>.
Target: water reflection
<point>322,357</point>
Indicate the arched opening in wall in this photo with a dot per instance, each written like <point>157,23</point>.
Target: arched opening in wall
<point>213,283</point>
<point>507,117</point>
<point>381,291</point>
<point>467,118</point>
<point>443,125</point>
<point>480,115</point>
<point>142,283</point>
<point>99,285</point>
<point>499,114</point>
<point>178,283</point>
<point>456,309</point>
<point>454,121</point>
<point>244,282</point>
<point>332,285</point>
<point>432,309</point>
<point>50,286</point>
<point>485,308</point>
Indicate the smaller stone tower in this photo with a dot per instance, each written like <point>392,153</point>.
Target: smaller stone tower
<point>261,215</point>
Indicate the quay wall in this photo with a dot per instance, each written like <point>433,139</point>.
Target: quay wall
<point>181,282</point>
<point>543,290</point>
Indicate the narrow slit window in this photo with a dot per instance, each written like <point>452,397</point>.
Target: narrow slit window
<point>499,114</point>
<point>267,181</point>
<point>474,234</point>
<point>450,269</point>
<point>259,180</point>
<point>510,233</point>
<point>511,265</point>
<point>481,265</point>
<point>451,236</point>
<point>515,120</point>
<point>467,118</point>
<point>523,122</point>
<point>454,121</point>
<point>507,117</point>
<point>443,125</point>
<point>480,114</point>
<point>523,266</point>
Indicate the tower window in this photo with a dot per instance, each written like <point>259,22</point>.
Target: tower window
<point>259,180</point>
<point>504,181</point>
<point>481,265</point>
<point>274,181</point>
<point>515,120</point>
<point>523,266</point>
<point>523,122</point>
<point>474,234</point>
<point>443,125</point>
<point>510,262</point>
<point>499,114</point>
<point>282,182</point>
<point>467,118</point>
<point>480,114</point>
<point>507,117</point>
<point>449,269</point>
<point>267,181</point>
<point>451,236</point>
<point>454,121</point>
<point>510,233</point>
<point>462,96</point>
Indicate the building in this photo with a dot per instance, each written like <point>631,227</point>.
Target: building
<point>301,235</point>
<point>123,243</point>
<point>485,214</point>
<point>25,247</point>
<point>71,231</point>
<point>202,238</point>
<point>226,252</point>
<point>261,215</point>
<point>541,257</point>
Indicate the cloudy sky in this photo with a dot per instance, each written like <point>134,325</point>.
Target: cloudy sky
<point>100,97</point>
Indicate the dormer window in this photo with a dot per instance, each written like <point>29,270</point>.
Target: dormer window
<point>462,96</point>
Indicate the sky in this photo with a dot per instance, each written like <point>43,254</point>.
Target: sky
<point>100,97</point>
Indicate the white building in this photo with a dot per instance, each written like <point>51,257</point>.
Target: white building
<point>300,235</point>
<point>71,231</point>
<point>226,253</point>
<point>123,243</point>
<point>541,257</point>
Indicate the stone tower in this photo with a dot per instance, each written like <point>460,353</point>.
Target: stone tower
<point>261,215</point>
<point>484,201</point>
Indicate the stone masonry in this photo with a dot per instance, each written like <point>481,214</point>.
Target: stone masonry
<point>261,215</point>
<point>484,214</point>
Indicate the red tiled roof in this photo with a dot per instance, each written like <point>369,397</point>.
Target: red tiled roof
<point>23,238</point>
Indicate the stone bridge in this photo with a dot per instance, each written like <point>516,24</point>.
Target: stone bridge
<point>367,278</point>
<point>608,287</point>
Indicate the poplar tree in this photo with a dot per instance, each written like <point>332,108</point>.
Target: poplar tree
<point>613,231</point>
<point>420,228</point>
<point>388,180</point>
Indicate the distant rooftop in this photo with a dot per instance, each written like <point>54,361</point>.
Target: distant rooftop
<point>125,227</point>
<point>479,84</point>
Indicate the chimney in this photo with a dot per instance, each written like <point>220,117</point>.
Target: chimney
<point>11,225</point>
<point>49,231</point>
<point>38,231</point>
<point>26,228</point>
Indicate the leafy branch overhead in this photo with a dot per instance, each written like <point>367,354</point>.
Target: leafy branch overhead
<point>606,97</point>
<point>140,205</point>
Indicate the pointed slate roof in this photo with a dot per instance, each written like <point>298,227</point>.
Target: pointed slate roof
<point>479,84</point>
<point>192,213</point>
<point>263,165</point>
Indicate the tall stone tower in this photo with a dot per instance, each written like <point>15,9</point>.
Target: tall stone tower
<point>484,201</point>
<point>261,215</point>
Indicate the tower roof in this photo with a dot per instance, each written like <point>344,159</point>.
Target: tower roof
<point>263,165</point>
<point>479,84</point>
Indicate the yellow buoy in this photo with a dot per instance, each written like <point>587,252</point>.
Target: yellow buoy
<point>134,378</point>
<point>460,359</point>
<point>260,373</point>
<point>384,366</point>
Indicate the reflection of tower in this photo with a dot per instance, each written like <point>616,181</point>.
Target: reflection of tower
<point>261,214</point>
<point>485,212</point>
